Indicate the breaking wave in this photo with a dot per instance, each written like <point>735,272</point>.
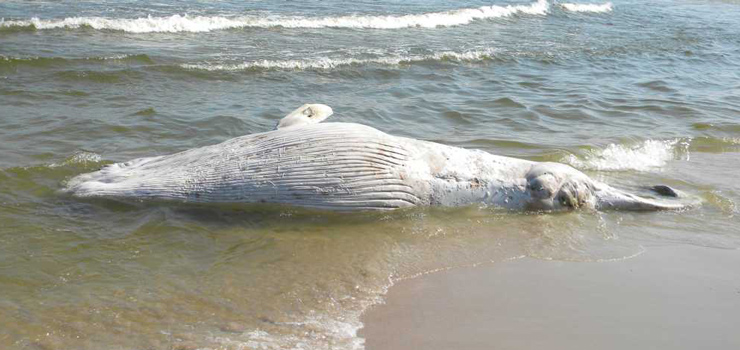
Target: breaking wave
<point>322,63</point>
<point>82,158</point>
<point>185,23</point>
<point>646,156</point>
<point>606,7</point>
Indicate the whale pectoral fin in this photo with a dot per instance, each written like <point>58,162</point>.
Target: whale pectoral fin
<point>310,113</point>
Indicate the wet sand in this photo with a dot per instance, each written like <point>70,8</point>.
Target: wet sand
<point>670,297</point>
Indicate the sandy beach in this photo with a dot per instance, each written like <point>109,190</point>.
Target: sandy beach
<point>669,297</point>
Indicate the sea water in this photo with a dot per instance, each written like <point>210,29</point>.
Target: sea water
<point>634,93</point>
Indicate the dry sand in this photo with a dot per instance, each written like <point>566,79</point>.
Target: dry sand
<point>670,297</point>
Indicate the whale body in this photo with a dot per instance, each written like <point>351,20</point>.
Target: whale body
<point>347,166</point>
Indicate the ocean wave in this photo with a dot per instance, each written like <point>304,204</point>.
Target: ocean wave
<point>646,156</point>
<point>715,144</point>
<point>185,23</point>
<point>598,8</point>
<point>79,159</point>
<point>325,63</point>
<point>7,61</point>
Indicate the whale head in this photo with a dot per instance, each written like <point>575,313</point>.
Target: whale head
<point>555,186</point>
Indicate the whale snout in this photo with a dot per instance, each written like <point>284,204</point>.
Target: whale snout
<point>554,186</point>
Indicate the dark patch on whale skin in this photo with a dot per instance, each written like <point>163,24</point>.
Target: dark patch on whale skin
<point>664,190</point>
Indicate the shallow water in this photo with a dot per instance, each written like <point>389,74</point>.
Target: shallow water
<point>636,93</point>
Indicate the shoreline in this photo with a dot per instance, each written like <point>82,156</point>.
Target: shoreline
<point>670,297</point>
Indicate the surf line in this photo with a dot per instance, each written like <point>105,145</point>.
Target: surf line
<point>185,23</point>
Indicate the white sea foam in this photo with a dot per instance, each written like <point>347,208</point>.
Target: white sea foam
<point>646,156</point>
<point>606,7</point>
<point>178,23</point>
<point>185,23</point>
<point>322,63</point>
<point>171,24</point>
<point>330,332</point>
<point>79,159</point>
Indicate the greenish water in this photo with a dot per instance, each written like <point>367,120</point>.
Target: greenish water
<point>634,94</point>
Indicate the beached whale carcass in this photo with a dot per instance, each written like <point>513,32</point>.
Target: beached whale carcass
<point>346,166</point>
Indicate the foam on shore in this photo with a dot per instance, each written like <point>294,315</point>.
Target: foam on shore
<point>597,8</point>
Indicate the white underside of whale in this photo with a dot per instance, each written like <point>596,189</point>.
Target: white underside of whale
<point>338,166</point>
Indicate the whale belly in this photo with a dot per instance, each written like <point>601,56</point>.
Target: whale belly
<point>332,166</point>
